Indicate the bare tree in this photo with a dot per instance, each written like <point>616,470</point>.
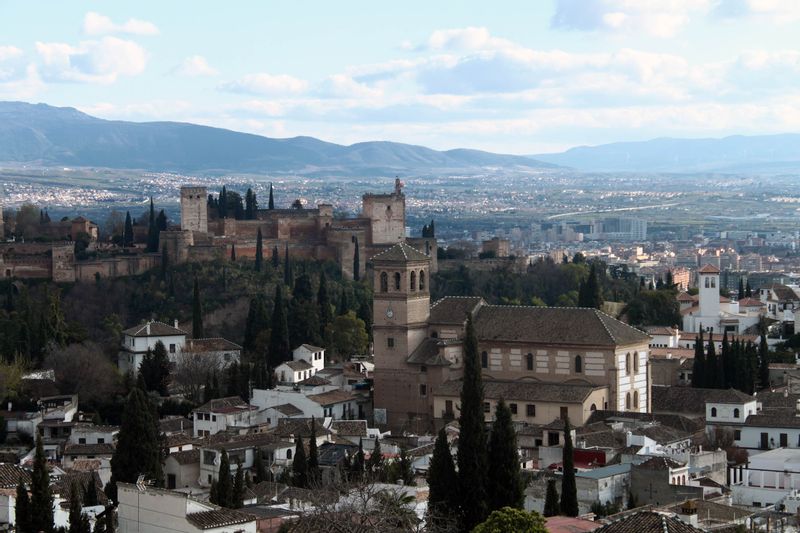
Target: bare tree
<point>83,369</point>
<point>191,372</point>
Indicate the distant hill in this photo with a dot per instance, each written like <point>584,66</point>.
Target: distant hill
<point>42,134</point>
<point>739,153</point>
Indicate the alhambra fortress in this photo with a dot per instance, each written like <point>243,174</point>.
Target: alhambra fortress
<point>308,233</point>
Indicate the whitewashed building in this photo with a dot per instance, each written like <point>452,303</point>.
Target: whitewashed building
<point>137,340</point>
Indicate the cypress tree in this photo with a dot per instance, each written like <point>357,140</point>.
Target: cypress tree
<point>22,508</point>
<point>712,365</point>
<point>288,278</point>
<point>751,355</point>
<point>160,376</point>
<point>257,322</point>
<point>223,203</point>
<point>356,261</point>
<point>164,263</point>
<point>569,489</point>
<point>699,363</point>
<point>299,465</point>
<point>78,522</point>
<point>406,472</point>
<point>41,502</point>
<point>152,230</point>
<point>313,456</point>
<point>279,335</point>
<point>224,485</point>
<point>213,493</point>
<point>138,448</point>
<point>324,303</point>
<point>740,294</point>
<point>727,366</point>
<point>271,198</point>
<point>763,355</point>
<point>238,488</point>
<point>233,252</point>
<point>442,482</point>
<point>259,468</point>
<point>90,497</point>
<point>375,462</point>
<point>472,452</point>
<point>276,257</point>
<point>748,292</point>
<point>551,506</point>
<point>504,483</point>
<point>161,221</point>
<point>127,235</point>
<point>197,313</point>
<point>357,465</point>
<point>259,251</point>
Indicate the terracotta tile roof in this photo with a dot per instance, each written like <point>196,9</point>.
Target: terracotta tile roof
<point>554,325</point>
<point>224,405</point>
<point>708,269</point>
<point>311,348</point>
<point>298,366</point>
<point>686,297</point>
<point>429,353</point>
<point>214,344</point>
<point>186,458</point>
<point>299,427</point>
<point>453,310</point>
<point>331,397</point>
<point>660,330</point>
<point>10,474</point>
<point>750,302</point>
<point>314,381</point>
<point>157,329</point>
<point>683,423</point>
<point>783,292</point>
<point>400,252</point>
<point>693,400</point>
<point>524,390</point>
<point>63,486</point>
<point>176,424</point>
<point>354,428</point>
<point>288,409</point>
<point>648,522</point>
<point>218,518</point>
<point>566,524</point>
<point>775,418</point>
<point>86,465</point>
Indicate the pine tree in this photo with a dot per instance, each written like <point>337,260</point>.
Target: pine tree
<point>569,489</point>
<point>356,261</point>
<point>22,508</point>
<point>224,484</point>
<point>712,365</point>
<point>238,488</point>
<point>138,448</point>
<point>551,505</point>
<point>763,355</point>
<point>279,334</point>
<point>152,230</point>
<point>442,482</point>
<point>313,456</point>
<point>127,235</point>
<point>324,303</point>
<point>259,251</point>
<point>276,257</point>
<point>504,483</point>
<point>699,364</point>
<point>299,465</point>
<point>233,252</point>
<point>197,313</point>
<point>472,452</point>
<point>41,503</point>
<point>271,198</point>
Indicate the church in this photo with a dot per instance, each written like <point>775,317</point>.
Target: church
<point>710,311</point>
<point>545,363</point>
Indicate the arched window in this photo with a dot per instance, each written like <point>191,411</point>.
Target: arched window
<point>636,400</point>
<point>434,334</point>
<point>707,282</point>
<point>627,400</point>
<point>484,360</point>
<point>628,363</point>
<point>384,282</point>
<point>412,284</point>
<point>635,362</point>
<point>529,361</point>
<point>736,413</point>
<point>422,280</point>
<point>713,412</point>
<point>289,453</point>
<point>713,283</point>
<point>578,364</point>
<point>397,281</point>
<point>593,407</point>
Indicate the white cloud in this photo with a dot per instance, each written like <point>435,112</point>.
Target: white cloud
<point>266,84</point>
<point>97,24</point>
<point>196,66</point>
<point>21,87</point>
<point>100,61</point>
<point>659,18</point>
<point>776,11</point>
<point>9,52</point>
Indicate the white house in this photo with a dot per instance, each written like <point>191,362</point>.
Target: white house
<point>242,449</point>
<point>713,311</point>
<point>222,414</point>
<point>730,407</point>
<point>770,429</point>
<point>151,510</point>
<point>86,433</point>
<point>137,340</point>
<point>767,479</point>
<point>292,372</point>
<point>182,469</point>
<point>310,354</point>
<point>221,351</point>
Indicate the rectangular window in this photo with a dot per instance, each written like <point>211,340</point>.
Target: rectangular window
<point>81,440</point>
<point>737,434</point>
<point>530,409</point>
<point>208,457</point>
<point>784,440</point>
<point>390,342</point>
<point>552,438</point>
<point>564,412</point>
<point>101,440</point>
<point>213,418</point>
<point>171,348</point>
<point>513,408</point>
<point>486,407</point>
<point>423,390</point>
<point>448,406</point>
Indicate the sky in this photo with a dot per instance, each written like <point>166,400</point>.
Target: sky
<point>521,77</point>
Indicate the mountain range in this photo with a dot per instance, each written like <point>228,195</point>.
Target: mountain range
<point>63,136</point>
<point>736,154</point>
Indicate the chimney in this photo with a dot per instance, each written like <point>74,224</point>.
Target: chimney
<point>148,328</point>
<point>176,323</point>
<point>797,407</point>
<point>9,406</point>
